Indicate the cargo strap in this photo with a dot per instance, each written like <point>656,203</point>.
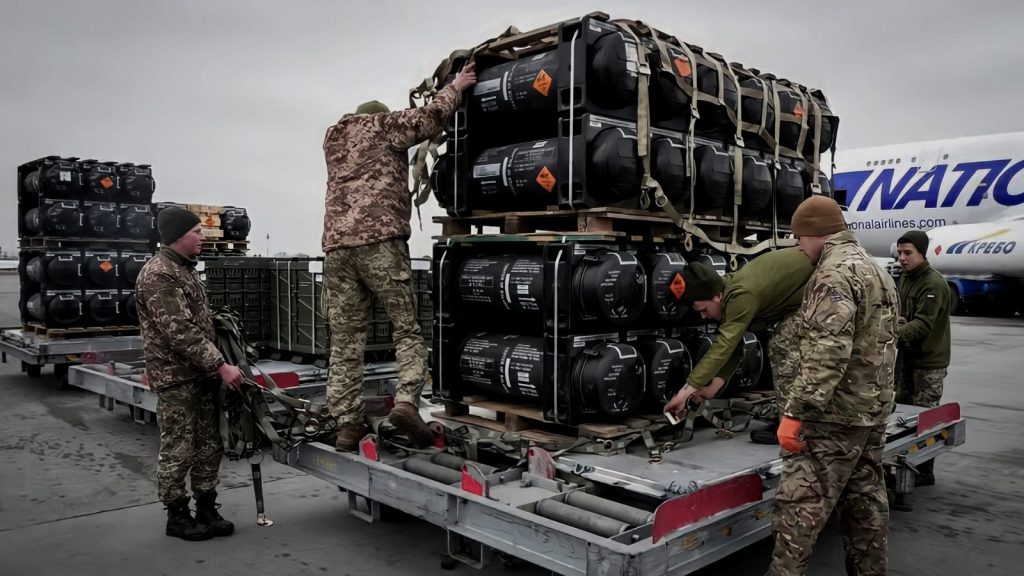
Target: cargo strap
<point>651,186</point>
<point>501,45</point>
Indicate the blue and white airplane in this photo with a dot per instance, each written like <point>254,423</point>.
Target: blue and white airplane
<point>967,193</point>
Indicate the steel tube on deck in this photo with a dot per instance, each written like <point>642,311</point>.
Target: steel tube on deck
<point>427,469</point>
<point>621,512</point>
<point>579,518</point>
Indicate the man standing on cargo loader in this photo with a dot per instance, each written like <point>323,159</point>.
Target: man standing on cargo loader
<point>366,229</point>
<point>185,369</point>
<point>924,339</point>
<point>833,421</point>
<point>768,289</point>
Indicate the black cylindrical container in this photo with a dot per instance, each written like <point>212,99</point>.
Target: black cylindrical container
<point>504,365</point>
<point>609,379</point>
<point>101,220</point>
<point>611,71</point>
<point>130,307</point>
<point>714,168</point>
<point>58,178</point>
<point>235,223</point>
<point>34,221</point>
<point>666,286</point>
<point>615,169</point>
<point>100,181</point>
<point>103,308</point>
<point>101,270</point>
<point>60,219</point>
<point>757,187</point>
<point>611,286</point>
<point>668,167</point>
<point>829,125</point>
<point>523,86</point>
<point>136,222</point>
<point>137,184</point>
<point>132,265</point>
<point>62,270</point>
<point>516,175</point>
<point>668,365</point>
<point>748,371</point>
<point>512,283</point>
<point>62,309</point>
<point>789,191</point>
<point>36,269</point>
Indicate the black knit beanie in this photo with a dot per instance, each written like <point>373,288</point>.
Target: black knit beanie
<point>916,237</point>
<point>173,223</point>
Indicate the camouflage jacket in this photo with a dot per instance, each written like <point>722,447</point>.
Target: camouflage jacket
<point>177,327</point>
<point>848,339</point>
<point>368,199</point>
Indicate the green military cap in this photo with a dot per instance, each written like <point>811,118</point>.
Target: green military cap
<point>702,282</point>
<point>371,107</point>
<point>916,237</point>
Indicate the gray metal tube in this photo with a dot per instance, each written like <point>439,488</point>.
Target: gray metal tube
<point>455,463</point>
<point>579,518</point>
<point>621,512</point>
<point>427,469</point>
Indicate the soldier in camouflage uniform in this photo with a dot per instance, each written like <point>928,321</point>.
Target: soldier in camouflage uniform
<point>925,338</point>
<point>767,290</point>
<point>366,229</point>
<point>185,369</point>
<point>833,423</point>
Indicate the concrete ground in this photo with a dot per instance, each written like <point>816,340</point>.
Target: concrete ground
<point>77,492</point>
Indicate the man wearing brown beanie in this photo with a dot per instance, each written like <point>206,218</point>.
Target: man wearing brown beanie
<point>185,369</point>
<point>766,291</point>
<point>924,347</point>
<point>833,422</point>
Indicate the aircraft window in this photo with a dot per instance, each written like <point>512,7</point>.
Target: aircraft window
<point>897,160</point>
<point>890,160</point>
<point>876,162</point>
<point>945,156</point>
<point>869,163</point>
<point>914,159</point>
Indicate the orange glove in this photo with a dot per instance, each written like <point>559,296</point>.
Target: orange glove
<point>789,434</point>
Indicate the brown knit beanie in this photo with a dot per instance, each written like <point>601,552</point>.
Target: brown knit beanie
<point>818,216</point>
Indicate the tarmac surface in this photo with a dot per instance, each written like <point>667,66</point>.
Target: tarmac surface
<point>78,492</point>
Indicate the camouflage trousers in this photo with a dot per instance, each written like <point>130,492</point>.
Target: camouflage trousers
<point>352,276</point>
<point>190,444</point>
<point>919,387</point>
<point>784,355</point>
<point>841,468</point>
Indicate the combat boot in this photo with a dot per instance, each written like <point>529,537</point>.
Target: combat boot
<point>767,436</point>
<point>206,513</point>
<point>181,524</point>
<point>406,418</point>
<point>349,436</point>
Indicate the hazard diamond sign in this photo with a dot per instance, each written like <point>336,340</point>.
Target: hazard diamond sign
<point>677,286</point>
<point>546,179</point>
<point>542,83</point>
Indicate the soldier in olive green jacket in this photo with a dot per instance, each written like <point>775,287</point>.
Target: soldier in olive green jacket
<point>767,290</point>
<point>924,340</point>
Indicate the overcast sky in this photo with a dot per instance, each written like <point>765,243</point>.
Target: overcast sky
<point>229,100</point>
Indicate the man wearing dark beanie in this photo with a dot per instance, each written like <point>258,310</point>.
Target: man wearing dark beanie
<point>767,290</point>
<point>185,369</point>
<point>924,347</point>
<point>834,414</point>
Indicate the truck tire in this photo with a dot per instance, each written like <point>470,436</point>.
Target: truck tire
<point>33,370</point>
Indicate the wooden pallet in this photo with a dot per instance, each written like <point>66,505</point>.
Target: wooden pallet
<point>592,220</point>
<point>513,417</point>
<point>221,246</point>
<point>205,208</point>
<point>213,233</point>
<point>83,332</point>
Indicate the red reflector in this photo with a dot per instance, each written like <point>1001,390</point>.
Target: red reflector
<point>931,418</point>
<point>473,480</point>
<point>368,448</point>
<point>706,502</point>
<point>282,379</point>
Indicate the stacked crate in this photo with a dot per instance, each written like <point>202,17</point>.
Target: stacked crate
<point>84,228</point>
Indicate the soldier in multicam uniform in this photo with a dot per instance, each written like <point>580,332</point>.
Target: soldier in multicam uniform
<point>185,369</point>
<point>366,229</point>
<point>767,290</point>
<point>924,339</point>
<point>834,417</point>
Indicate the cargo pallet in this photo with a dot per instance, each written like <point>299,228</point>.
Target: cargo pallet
<point>615,222</point>
<point>122,383</point>
<point>79,332</point>
<point>37,350</point>
<point>58,242</point>
<point>704,501</point>
<point>213,246</point>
